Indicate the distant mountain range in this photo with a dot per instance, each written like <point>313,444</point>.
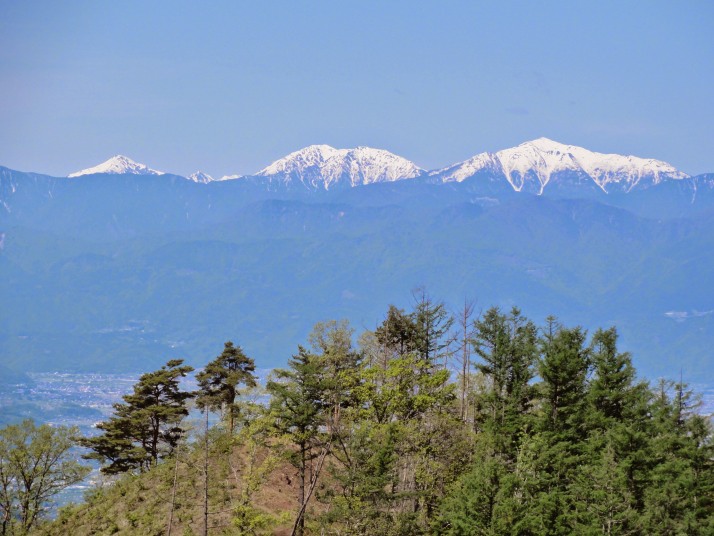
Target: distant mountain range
<point>120,266</point>
<point>532,167</point>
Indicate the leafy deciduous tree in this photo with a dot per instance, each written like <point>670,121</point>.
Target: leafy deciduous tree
<point>35,465</point>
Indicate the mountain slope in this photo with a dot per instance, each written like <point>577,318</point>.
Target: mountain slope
<point>141,504</point>
<point>535,165</point>
<point>115,271</point>
<point>117,165</point>
<point>324,167</point>
<point>200,177</point>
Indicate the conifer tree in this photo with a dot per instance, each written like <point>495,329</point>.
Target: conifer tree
<point>618,443</point>
<point>433,324</point>
<point>146,426</point>
<point>397,333</point>
<point>219,382</point>
<point>563,368</point>
<point>506,345</point>
<point>680,496</point>
<point>298,407</point>
<point>611,390</point>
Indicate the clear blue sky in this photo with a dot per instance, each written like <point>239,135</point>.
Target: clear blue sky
<point>228,87</point>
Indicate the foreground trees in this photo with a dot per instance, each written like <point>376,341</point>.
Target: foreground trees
<point>219,382</point>
<point>594,452</point>
<point>546,431</point>
<point>35,465</point>
<point>146,426</point>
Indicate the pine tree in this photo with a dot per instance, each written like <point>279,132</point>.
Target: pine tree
<point>397,333</point>
<point>219,382</point>
<point>146,426</point>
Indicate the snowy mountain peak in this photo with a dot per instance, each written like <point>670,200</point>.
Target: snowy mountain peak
<point>322,167</point>
<point>118,165</point>
<point>532,165</point>
<point>546,144</point>
<point>200,177</point>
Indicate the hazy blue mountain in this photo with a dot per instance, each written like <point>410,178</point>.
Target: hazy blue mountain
<point>121,270</point>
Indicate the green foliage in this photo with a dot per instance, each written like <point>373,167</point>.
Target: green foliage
<point>145,428</point>
<point>606,455</point>
<point>507,347</point>
<point>298,406</point>
<point>36,463</point>
<point>219,382</point>
<point>558,438</point>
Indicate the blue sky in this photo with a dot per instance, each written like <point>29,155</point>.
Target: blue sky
<point>228,87</point>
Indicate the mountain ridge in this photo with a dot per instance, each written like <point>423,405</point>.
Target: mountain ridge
<point>532,167</point>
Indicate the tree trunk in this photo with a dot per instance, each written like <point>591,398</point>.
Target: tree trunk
<point>205,480</point>
<point>299,526</point>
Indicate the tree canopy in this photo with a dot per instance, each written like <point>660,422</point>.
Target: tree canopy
<point>547,431</point>
<point>36,463</point>
<point>146,426</point>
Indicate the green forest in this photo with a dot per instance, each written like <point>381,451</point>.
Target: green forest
<point>475,423</point>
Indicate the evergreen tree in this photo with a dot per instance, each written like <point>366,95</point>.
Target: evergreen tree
<point>561,432</point>
<point>298,407</point>
<point>507,347</point>
<point>146,426</point>
<point>680,496</point>
<point>611,392</point>
<point>219,382</point>
<point>611,486</point>
<point>397,333</point>
<point>563,369</point>
<point>471,505</point>
<point>433,324</point>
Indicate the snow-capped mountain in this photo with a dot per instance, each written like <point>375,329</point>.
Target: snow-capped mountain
<point>324,167</point>
<point>200,177</point>
<point>118,165</point>
<point>533,165</point>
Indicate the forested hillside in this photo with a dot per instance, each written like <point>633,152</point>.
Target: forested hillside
<point>118,273</point>
<point>429,424</point>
